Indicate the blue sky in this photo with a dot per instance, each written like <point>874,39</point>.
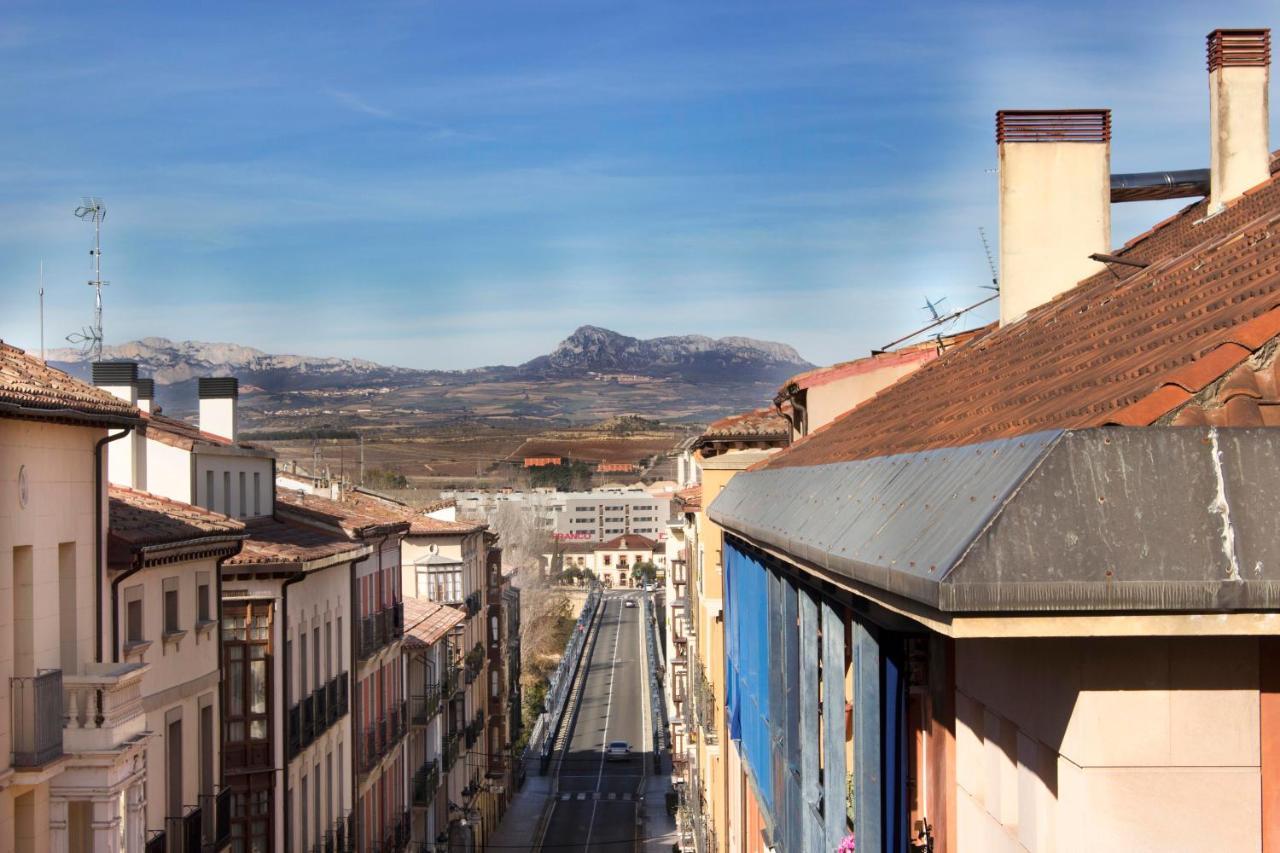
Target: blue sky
<point>455,184</point>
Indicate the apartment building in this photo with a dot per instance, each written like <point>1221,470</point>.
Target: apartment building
<point>163,568</point>
<point>378,704</point>
<point>1022,598</point>
<point>613,562</point>
<point>596,516</point>
<point>683,550</point>
<point>455,563</point>
<point>73,763</point>
<point>431,652</point>
<point>726,448</point>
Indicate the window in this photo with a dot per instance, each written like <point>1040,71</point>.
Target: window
<point>315,800</point>
<point>244,498</point>
<point>206,749</point>
<point>328,786</point>
<point>340,657</point>
<point>173,764</point>
<point>315,658</point>
<point>257,493</point>
<point>251,816</point>
<point>208,490</point>
<point>172,624</point>
<point>246,644</point>
<point>133,615</point>
<point>203,612</point>
<point>302,664</point>
<point>328,650</point>
<point>304,826</point>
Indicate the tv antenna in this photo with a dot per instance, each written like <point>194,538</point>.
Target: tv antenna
<point>932,308</point>
<point>991,264</point>
<point>90,337</point>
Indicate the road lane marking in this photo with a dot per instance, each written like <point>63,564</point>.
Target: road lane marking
<point>608,709</point>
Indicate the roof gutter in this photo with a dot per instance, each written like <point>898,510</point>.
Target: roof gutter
<point>69,415</point>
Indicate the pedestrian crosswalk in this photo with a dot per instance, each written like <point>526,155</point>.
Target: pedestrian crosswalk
<point>596,795</point>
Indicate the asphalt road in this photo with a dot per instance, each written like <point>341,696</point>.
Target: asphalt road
<point>596,807</point>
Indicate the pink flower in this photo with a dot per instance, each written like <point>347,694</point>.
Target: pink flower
<point>848,845</point>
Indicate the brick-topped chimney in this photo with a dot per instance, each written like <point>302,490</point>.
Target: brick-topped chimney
<point>1055,202</point>
<point>218,396</point>
<point>146,389</point>
<point>1239,155</point>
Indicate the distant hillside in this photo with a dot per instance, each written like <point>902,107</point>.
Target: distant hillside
<point>593,374</point>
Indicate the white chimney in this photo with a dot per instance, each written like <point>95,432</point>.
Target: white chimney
<point>218,397</point>
<point>146,391</point>
<point>124,456</point>
<point>1239,157</point>
<point>1055,202</point>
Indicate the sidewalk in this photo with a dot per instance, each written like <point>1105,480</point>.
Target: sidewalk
<point>521,824</point>
<point>658,829</point>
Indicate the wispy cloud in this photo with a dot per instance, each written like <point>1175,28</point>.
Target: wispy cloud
<point>358,104</point>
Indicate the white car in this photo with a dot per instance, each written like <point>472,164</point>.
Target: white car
<point>618,750</point>
<point>630,602</point>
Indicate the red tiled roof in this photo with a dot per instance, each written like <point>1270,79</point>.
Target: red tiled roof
<point>355,519</point>
<point>761,423</point>
<point>914,354</point>
<point>628,542</point>
<point>1129,346</point>
<point>691,497</point>
<point>273,541</point>
<point>426,623</point>
<point>29,384</point>
<point>420,524</point>
<point>181,434</point>
<point>141,519</point>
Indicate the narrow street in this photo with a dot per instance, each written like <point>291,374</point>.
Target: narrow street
<point>597,800</point>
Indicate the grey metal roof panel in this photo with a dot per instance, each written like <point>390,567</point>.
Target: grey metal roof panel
<point>898,522</point>
<point>1151,519</point>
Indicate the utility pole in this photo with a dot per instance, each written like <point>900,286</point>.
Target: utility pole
<point>361,459</point>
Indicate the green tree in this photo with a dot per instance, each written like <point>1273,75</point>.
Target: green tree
<point>645,571</point>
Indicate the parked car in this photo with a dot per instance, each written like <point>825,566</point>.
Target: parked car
<point>618,750</point>
<point>630,602</point>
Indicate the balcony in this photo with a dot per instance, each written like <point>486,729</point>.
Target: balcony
<point>424,706</point>
<point>474,663</point>
<point>377,630</point>
<point>312,717</point>
<point>37,718</point>
<point>449,752</point>
<point>215,814</point>
<point>103,706</point>
<point>425,784</point>
<point>381,738</point>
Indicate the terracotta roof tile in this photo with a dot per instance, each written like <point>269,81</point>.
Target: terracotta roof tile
<point>427,623</point>
<point>181,434</point>
<point>354,518</point>
<point>628,542</point>
<point>1119,348</point>
<point>141,519</point>
<point>276,541</point>
<point>760,423</point>
<point>691,497</point>
<point>913,354</point>
<point>420,524</point>
<point>29,384</point>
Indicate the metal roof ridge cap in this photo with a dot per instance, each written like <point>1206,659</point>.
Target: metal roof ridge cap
<point>945,589</point>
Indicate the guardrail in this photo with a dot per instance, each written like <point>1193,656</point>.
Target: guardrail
<point>659,715</point>
<point>542,740</point>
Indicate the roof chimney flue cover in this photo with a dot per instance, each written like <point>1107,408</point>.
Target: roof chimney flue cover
<point>1091,125</point>
<point>1236,48</point>
<point>115,372</point>
<point>218,387</point>
<point>146,389</point>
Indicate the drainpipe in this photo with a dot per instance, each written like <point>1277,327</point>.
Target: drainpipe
<point>98,532</point>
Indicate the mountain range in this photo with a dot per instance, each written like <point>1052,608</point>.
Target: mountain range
<point>680,376</point>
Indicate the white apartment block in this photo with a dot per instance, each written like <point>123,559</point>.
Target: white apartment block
<point>594,516</point>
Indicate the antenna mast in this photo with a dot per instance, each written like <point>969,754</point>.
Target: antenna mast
<point>42,310</point>
<point>991,264</point>
<point>92,208</point>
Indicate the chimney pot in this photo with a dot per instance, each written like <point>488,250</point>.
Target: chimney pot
<point>1055,202</point>
<point>218,400</point>
<point>1239,154</point>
